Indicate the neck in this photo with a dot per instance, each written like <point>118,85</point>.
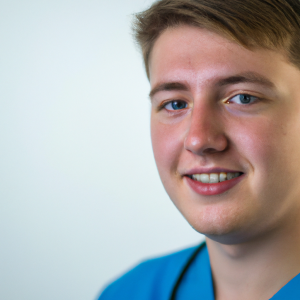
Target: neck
<point>256,269</point>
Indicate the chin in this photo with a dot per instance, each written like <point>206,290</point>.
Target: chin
<point>226,226</point>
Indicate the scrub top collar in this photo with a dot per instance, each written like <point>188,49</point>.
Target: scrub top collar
<point>197,283</point>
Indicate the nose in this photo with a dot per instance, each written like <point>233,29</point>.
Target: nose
<point>205,134</point>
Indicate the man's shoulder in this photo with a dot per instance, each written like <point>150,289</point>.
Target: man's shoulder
<point>151,279</point>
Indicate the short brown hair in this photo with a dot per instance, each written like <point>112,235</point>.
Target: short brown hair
<point>270,24</point>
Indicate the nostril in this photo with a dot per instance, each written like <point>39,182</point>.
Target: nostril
<point>208,146</point>
<point>210,151</point>
<point>205,137</point>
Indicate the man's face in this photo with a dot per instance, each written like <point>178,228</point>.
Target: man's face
<point>218,108</point>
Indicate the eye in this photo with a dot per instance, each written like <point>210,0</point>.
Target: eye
<point>243,99</point>
<point>176,105</point>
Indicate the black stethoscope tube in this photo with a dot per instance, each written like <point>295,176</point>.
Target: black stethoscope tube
<point>184,270</point>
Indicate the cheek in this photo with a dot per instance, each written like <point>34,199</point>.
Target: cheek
<point>255,141</point>
<point>258,148</point>
<point>268,147</point>
<point>167,145</point>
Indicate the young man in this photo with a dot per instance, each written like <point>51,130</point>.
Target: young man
<point>225,128</point>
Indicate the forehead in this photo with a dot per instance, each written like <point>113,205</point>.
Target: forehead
<point>196,55</point>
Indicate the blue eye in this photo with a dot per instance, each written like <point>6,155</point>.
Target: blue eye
<point>243,99</point>
<point>176,105</point>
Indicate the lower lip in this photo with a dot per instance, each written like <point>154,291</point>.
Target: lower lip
<point>208,189</point>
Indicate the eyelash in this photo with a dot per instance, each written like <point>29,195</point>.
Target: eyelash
<point>173,102</point>
<point>228,100</point>
<point>245,96</point>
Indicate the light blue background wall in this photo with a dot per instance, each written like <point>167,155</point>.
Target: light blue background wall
<point>80,197</point>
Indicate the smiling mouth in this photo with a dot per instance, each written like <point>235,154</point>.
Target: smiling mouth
<point>214,177</point>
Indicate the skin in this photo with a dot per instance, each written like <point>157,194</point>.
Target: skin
<point>249,227</point>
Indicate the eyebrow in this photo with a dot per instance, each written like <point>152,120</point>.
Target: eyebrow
<point>250,77</point>
<point>168,86</point>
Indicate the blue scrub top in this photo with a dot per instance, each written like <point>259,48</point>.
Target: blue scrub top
<point>155,279</point>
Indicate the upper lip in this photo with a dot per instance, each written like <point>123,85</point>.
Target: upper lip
<point>210,170</point>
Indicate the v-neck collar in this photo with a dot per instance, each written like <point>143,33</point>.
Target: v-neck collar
<point>290,291</point>
<point>197,283</point>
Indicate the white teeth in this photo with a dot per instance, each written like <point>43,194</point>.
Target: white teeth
<point>204,178</point>
<point>215,177</point>
<point>223,176</point>
<point>197,177</point>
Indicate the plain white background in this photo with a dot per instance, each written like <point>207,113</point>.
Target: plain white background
<point>80,197</point>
